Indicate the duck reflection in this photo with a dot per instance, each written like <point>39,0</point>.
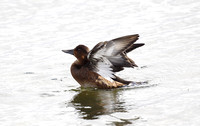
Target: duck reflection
<point>93,103</point>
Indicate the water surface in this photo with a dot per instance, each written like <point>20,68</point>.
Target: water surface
<point>37,89</point>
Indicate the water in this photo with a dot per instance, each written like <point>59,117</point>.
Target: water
<point>37,89</point>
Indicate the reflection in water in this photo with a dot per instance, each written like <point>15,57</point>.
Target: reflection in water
<point>93,103</point>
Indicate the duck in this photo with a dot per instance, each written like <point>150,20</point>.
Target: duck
<point>97,68</point>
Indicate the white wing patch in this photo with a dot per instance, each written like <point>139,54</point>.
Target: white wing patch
<point>103,66</point>
<point>103,69</point>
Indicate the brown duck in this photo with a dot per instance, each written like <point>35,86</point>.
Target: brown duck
<point>97,67</point>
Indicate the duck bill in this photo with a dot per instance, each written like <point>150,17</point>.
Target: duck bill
<point>69,51</point>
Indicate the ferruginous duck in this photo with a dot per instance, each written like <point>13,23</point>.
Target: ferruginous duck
<point>97,67</point>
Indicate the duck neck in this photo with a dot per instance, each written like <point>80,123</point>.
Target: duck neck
<point>83,61</point>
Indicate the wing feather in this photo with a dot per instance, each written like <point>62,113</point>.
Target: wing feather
<point>110,56</point>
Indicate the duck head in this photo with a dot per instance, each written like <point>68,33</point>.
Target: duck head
<point>80,52</point>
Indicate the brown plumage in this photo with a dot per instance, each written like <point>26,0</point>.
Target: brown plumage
<point>96,68</point>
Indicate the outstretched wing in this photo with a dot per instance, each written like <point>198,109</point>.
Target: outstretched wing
<point>110,56</point>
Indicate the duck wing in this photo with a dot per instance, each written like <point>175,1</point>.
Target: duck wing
<point>110,56</point>
<point>133,46</point>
